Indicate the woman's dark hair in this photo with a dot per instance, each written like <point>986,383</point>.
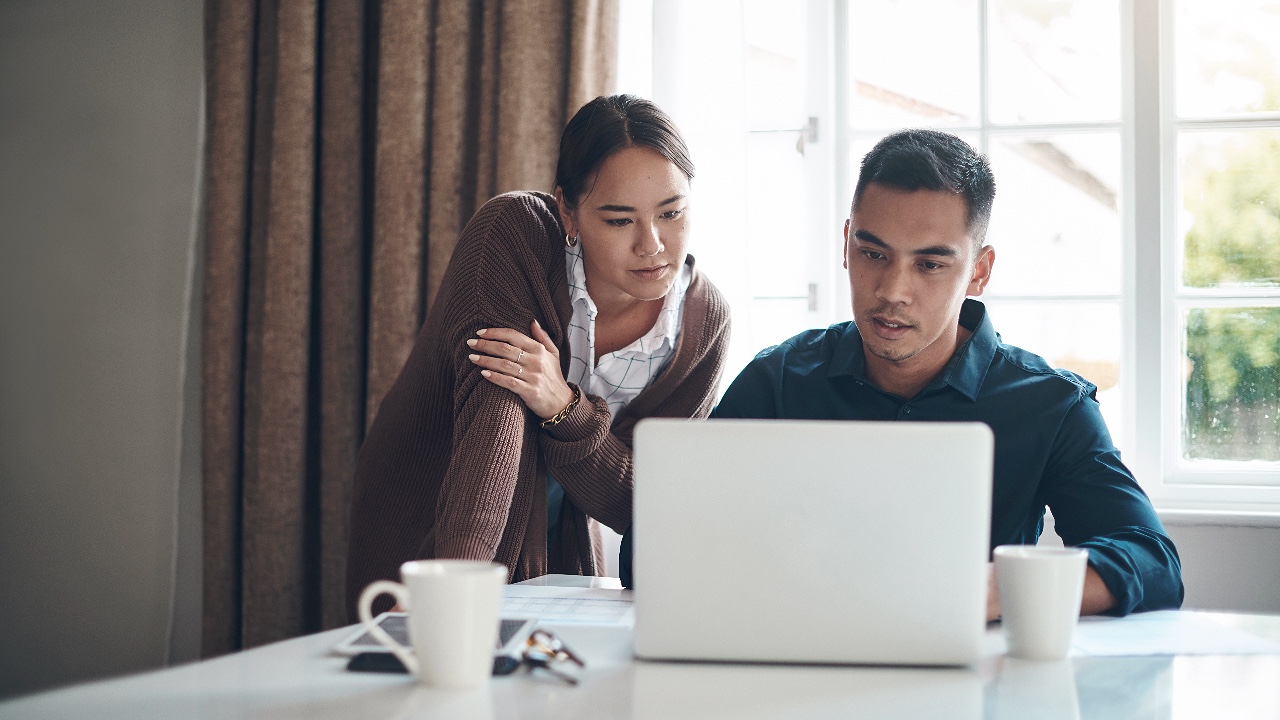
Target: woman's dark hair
<point>930,160</point>
<point>606,125</point>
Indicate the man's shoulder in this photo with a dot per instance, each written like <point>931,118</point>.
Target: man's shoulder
<point>805,350</point>
<point>1027,365</point>
<point>782,376</point>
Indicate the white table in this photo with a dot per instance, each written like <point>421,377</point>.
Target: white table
<point>299,679</point>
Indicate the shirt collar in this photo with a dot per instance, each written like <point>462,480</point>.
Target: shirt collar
<point>968,366</point>
<point>577,277</point>
<point>965,371</point>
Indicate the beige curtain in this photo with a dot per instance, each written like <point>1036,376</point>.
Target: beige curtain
<point>348,142</point>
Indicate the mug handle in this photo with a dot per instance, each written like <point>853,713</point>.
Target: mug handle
<point>401,594</point>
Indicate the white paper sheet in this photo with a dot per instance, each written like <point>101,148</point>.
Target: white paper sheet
<point>569,605</point>
<point>1165,633</point>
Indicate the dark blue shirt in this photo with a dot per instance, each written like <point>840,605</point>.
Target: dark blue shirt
<point>1052,446</point>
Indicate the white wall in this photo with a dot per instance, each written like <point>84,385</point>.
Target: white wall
<point>1229,567</point>
<point>99,141</point>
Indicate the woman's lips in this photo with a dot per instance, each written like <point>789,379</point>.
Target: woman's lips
<point>651,273</point>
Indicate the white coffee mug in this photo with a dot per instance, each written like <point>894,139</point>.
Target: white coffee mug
<point>453,610</point>
<point>1040,591</point>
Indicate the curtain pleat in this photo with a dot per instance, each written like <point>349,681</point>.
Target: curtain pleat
<point>348,143</point>
<point>344,164</point>
<point>278,331</point>
<point>229,66</point>
<point>593,51</point>
<point>399,202</point>
<point>454,130</point>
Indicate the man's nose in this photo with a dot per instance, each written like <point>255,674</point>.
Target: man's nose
<point>649,243</point>
<point>895,285</point>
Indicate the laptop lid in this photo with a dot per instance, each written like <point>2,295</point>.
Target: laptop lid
<point>811,541</point>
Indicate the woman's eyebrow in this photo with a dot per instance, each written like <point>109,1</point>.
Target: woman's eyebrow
<point>628,208</point>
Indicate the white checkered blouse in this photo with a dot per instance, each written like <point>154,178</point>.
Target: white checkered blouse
<point>621,375</point>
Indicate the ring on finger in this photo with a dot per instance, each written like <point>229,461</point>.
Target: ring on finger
<point>519,356</point>
<point>521,371</point>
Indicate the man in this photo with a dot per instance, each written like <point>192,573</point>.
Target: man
<point>917,349</point>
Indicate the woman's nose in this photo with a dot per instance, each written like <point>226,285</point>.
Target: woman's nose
<point>650,241</point>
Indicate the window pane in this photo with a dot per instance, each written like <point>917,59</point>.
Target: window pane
<point>1232,377</point>
<point>1230,220</point>
<point>1081,337</point>
<point>773,321</point>
<point>1054,61</point>
<point>777,227</point>
<point>1228,58</point>
<point>1056,224</point>
<point>775,72</point>
<point>912,67</point>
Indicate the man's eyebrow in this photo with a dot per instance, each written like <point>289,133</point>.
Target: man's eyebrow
<point>628,208</point>
<point>937,250</point>
<point>867,237</point>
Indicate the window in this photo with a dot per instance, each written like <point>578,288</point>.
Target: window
<point>1136,148</point>
<point>1221,123</point>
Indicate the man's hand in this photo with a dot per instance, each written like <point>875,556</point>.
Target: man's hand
<point>993,593</point>
<point>1095,599</point>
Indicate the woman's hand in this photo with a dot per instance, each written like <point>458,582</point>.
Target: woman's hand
<point>527,366</point>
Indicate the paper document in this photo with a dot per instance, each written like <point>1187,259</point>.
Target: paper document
<point>569,605</point>
<point>1165,633</point>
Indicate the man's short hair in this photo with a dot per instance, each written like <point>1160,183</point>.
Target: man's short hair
<point>931,160</point>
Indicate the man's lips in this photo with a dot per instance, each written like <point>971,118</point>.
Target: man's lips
<point>890,328</point>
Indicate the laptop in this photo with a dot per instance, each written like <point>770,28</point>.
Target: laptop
<point>811,541</point>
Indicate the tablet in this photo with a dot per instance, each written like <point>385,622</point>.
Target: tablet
<point>512,635</point>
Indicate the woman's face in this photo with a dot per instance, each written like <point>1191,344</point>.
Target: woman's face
<point>632,221</point>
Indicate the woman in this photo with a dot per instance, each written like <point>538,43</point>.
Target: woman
<point>559,324</point>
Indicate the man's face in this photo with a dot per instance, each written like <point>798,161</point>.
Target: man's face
<point>911,263</point>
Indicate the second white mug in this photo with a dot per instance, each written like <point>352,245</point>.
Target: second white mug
<point>1040,591</point>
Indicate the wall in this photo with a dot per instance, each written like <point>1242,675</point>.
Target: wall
<point>99,141</point>
<point>1228,567</point>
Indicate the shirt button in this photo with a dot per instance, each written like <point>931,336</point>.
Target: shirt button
<point>907,410</point>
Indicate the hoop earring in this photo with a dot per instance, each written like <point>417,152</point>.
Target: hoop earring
<point>571,242</point>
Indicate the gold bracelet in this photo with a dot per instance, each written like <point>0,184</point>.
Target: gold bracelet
<point>555,419</point>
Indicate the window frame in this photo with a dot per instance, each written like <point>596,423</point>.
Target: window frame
<point>1176,483</point>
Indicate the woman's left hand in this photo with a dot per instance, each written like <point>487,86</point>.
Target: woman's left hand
<point>527,366</point>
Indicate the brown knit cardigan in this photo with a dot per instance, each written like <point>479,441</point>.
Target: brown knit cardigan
<point>455,466</point>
